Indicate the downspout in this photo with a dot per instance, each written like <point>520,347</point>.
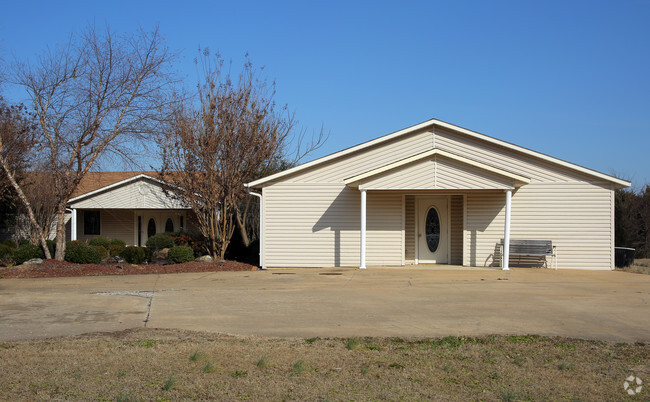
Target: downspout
<point>261,224</point>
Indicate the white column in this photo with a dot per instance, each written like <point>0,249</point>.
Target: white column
<point>73,225</point>
<point>362,252</point>
<point>506,232</point>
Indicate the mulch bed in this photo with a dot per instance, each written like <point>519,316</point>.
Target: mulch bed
<point>56,269</point>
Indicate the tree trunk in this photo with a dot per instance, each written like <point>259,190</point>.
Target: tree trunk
<point>60,233</point>
<point>242,228</point>
<point>28,207</point>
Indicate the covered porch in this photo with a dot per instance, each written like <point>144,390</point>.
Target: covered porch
<point>435,186</point>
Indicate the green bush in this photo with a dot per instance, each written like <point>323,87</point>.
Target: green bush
<point>102,251</point>
<point>133,255</point>
<point>10,243</point>
<point>148,253</point>
<point>23,242</point>
<point>99,241</point>
<point>5,252</point>
<point>115,249</point>
<point>180,254</point>
<point>160,241</point>
<point>26,252</point>
<point>82,253</point>
<point>117,242</point>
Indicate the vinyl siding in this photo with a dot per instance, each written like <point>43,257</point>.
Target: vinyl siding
<point>312,219</point>
<point>338,170</point>
<point>409,228</point>
<point>142,194</point>
<point>314,225</point>
<point>509,160</point>
<point>456,230</point>
<point>575,216</point>
<point>438,173</point>
<point>113,224</point>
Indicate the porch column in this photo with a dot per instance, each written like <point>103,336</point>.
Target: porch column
<point>506,234</point>
<point>73,225</point>
<point>362,252</point>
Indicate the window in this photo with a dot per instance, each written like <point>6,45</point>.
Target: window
<point>151,228</point>
<point>91,223</point>
<point>169,226</point>
<point>432,230</point>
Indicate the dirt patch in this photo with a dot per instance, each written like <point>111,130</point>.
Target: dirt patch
<point>55,269</point>
<point>152,364</point>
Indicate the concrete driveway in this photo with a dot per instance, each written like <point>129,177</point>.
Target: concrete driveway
<point>336,302</point>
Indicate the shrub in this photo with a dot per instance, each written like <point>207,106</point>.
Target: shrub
<point>25,253</point>
<point>5,252</point>
<point>10,243</point>
<point>148,253</point>
<point>160,241</point>
<point>102,251</point>
<point>117,242</point>
<point>115,249</point>
<point>99,241</point>
<point>23,242</point>
<point>82,253</point>
<point>133,255</point>
<point>180,254</point>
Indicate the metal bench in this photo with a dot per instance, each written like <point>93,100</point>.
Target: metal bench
<point>531,251</point>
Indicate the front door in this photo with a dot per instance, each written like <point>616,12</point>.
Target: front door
<point>433,230</point>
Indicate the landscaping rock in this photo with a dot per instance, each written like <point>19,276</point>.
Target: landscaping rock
<point>205,258</point>
<point>33,261</point>
<point>161,254</point>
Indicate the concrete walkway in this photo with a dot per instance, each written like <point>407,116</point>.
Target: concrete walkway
<point>336,302</point>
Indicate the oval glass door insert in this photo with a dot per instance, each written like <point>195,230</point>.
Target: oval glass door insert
<point>432,229</point>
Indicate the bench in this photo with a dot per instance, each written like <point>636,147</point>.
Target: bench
<point>530,251</point>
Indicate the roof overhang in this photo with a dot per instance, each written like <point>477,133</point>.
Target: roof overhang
<point>360,180</point>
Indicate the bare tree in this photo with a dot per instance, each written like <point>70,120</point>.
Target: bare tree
<point>216,144</point>
<point>17,139</point>
<point>92,98</point>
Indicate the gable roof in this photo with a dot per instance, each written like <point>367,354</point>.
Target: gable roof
<point>132,178</point>
<point>358,179</point>
<point>431,123</point>
<point>93,181</point>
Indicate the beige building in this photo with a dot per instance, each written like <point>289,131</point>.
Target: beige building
<point>435,193</point>
<point>131,206</point>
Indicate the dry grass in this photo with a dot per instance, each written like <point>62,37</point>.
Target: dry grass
<point>170,364</point>
<point>640,266</point>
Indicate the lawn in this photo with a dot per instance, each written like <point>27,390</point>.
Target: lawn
<point>147,364</point>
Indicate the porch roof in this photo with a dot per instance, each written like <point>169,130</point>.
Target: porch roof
<point>436,170</point>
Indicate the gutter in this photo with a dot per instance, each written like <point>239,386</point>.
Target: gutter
<point>261,224</point>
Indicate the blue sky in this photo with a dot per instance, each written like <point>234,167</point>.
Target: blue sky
<point>567,78</point>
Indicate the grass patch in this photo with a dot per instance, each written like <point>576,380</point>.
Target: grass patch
<point>208,368</point>
<point>299,367</point>
<point>352,343</point>
<point>196,356</point>
<point>118,367</point>
<point>262,362</point>
<point>312,340</point>
<point>169,384</point>
<point>148,343</point>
